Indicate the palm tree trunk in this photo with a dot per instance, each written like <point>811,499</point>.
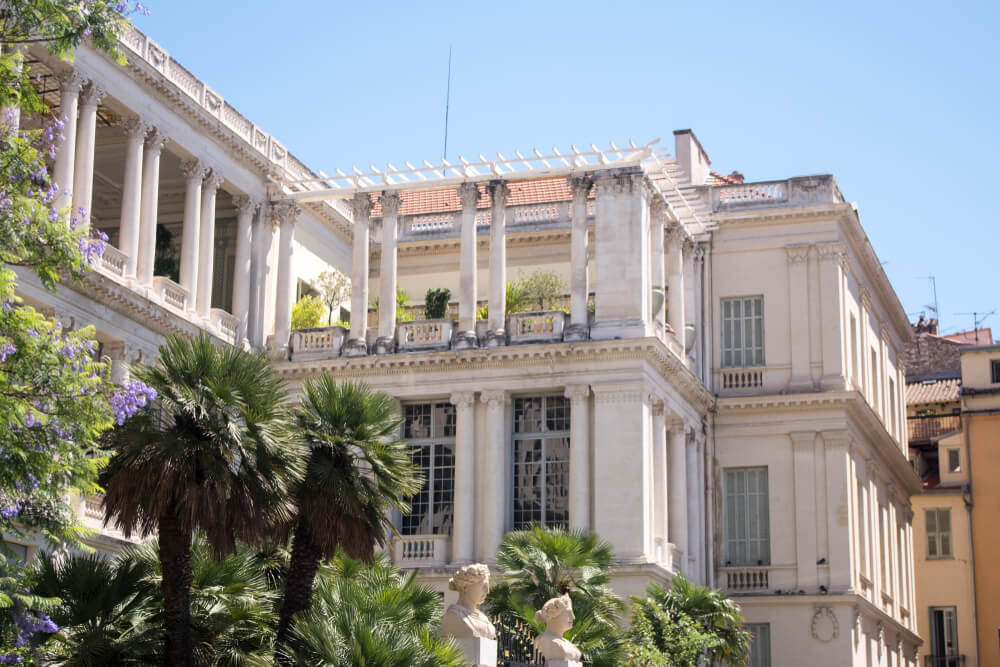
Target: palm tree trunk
<point>175,564</point>
<point>302,568</point>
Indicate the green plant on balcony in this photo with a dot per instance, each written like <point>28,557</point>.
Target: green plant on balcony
<point>334,288</point>
<point>403,313</point>
<point>436,303</point>
<point>541,288</point>
<point>308,312</point>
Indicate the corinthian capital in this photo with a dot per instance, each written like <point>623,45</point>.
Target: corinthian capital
<point>463,399</point>
<point>361,206</point>
<point>136,128</point>
<point>92,94</point>
<point>70,81</point>
<point>156,140</point>
<point>390,200</point>
<point>244,204</point>
<point>469,194</point>
<point>213,179</point>
<point>194,170</point>
<point>494,398</point>
<point>285,212</point>
<point>577,392</point>
<point>579,186</point>
<point>498,193</point>
<point>797,253</point>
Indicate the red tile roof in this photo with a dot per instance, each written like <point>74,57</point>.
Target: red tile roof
<point>939,391</point>
<point>521,192</point>
<point>974,337</point>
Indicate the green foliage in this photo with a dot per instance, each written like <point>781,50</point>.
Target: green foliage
<point>308,312</point>
<point>436,303</point>
<point>516,301</point>
<point>402,306</point>
<point>541,288</point>
<point>371,615</point>
<point>540,564</point>
<point>657,638</point>
<point>334,288</point>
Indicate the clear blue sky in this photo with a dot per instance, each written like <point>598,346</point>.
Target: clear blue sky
<point>898,100</point>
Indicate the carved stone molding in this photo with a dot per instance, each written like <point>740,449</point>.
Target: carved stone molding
<point>213,179</point>
<point>607,395</point>
<point>194,169</point>
<point>880,637</point>
<point>797,253</point>
<point>245,205</point>
<point>619,182</point>
<point>285,212</point>
<point>495,398</point>
<point>580,186</point>
<point>824,626</point>
<point>361,207</point>
<point>829,252</point>
<point>468,194</point>
<point>70,81</point>
<point>499,192</point>
<point>463,399</point>
<point>390,200</point>
<point>675,425</point>
<point>156,140</point>
<point>866,298</point>
<point>856,625</point>
<point>136,128</point>
<point>657,208</point>
<point>92,94</point>
<point>577,392</point>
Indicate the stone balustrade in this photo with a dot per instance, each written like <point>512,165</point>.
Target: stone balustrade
<point>742,380</point>
<point>423,225</point>
<point>746,579</point>
<point>799,191</point>
<point>226,324</point>
<point>113,263</point>
<point>413,551</point>
<point>424,335</point>
<point>171,293</point>
<point>541,327</point>
<point>319,343</point>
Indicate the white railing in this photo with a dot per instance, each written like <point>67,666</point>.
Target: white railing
<point>742,379</point>
<point>113,261</point>
<point>424,335</point>
<point>751,193</point>
<point>536,327</point>
<point>555,212</point>
<point>545,212</point>
<point>227,324</point>
<point>409,551</point>
<point>93,508</point>
<point>170,292</point>
<point>320,343</point>
<point>429,223</point>
<point>746,579</point>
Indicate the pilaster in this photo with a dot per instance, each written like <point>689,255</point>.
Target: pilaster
<point>463,536</point>
<point>491,477</point>
<point>245,209</point>
<point>798,318</point>
<point>803,459</point>
<point>580,492</point>
<point>677,521</point>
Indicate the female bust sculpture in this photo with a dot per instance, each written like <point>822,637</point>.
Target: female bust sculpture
<point>463,619</point>
<point>557,615</point>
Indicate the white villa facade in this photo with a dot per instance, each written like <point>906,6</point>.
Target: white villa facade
<point>750,434</point>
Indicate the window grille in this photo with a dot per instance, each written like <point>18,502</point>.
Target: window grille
<point>742,332</point>
<point>429,429</point>
<point>938,532</point>
<point>541,461</point>
<point>747,518</point>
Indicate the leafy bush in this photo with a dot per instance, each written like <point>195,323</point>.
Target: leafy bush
<point>542,287</point>
<point>436,303</point>
<point>308,312</point>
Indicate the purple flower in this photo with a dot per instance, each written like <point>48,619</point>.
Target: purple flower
<point>29,419</point>
<point>11,659</point>
<point>10,512</point>
<point>6,350</point>
<point>133,396</point>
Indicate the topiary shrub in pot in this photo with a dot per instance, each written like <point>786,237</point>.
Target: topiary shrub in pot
<point>436,303</point>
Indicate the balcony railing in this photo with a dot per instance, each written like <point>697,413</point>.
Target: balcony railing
<point>424,335</point>
<point>536,327</point>
<point>522,215</point>
<point>171,293</point>
<point>113,262</point>
<point>944,661</point>
<point>746,579</point>
<point>932,426</point>
<point>319,343</point>
<point>736,380</point>
<point>228,325</point>
<point>410,551</point>
<point>798,191</point>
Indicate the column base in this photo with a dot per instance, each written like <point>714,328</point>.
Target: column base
<point>575,332</point>
<point>279,352</point>
<point>355,347</point>
<point>496,338</point>
<point>466,340</point>
<point>385,345</point>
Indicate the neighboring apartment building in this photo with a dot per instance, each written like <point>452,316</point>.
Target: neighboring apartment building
<point>749,432</point>
<point>981,422</point>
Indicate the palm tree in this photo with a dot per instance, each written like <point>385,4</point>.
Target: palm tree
<point>717,615</point>
<point>357,471</point>
<point>370,614</point>
<point>543,563</point>
<point>215,453</point>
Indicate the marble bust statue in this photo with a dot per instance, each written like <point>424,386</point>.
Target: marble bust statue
<point>557,615</point>
<point>463,620</point>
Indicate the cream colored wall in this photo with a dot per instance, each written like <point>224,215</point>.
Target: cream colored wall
<point>944,582</point>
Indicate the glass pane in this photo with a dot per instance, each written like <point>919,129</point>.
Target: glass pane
<point>931,545</point>
<point>557,482</point>
<point>417,522</point>
<point>528,415</point>
<point>557,413</point>
<point>944,520</point>
<point>417,422</point>
<point>528,469</point>
<point>931,516</point>
<point>444,489</point>
<point>444,420</point>
<point>945,544</point>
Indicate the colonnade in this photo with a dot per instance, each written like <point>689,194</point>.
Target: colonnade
<point>73,173</point>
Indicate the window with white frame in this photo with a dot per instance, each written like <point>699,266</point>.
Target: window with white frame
<point>747,517</point>
<point>429,430</point>
<point>938,521</point>
<point>954,460</point>
<point>541,461</point>
<point>760,645</point>
<point>742,331</point>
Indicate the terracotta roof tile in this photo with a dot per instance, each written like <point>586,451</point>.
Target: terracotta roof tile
<point>521,192</point>
<point>939,391</point>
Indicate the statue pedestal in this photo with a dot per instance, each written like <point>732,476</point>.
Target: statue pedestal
<point>480,652</point>
<point>563,663</point>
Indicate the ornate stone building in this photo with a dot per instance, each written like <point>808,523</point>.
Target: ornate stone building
<point>720,394</point>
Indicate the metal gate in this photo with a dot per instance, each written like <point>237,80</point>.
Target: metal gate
<point>515,643</point>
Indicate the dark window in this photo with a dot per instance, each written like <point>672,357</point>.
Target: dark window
<point>995,371</point>
<point>541,461</point>
<point>429,428</point>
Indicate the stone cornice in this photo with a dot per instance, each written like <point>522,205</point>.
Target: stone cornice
<point>649,350</point>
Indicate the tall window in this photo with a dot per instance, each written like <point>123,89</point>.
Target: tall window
<point>954,460</point>
<point>938,532</point>
<point>891,418</point>
<point>747,520</point>
<point>995,371</point>
<point>854,352</point>
<point>944,635</point>
<point>541,461</point>
<point>743,332</point>
<point>429,429</point>
<point>760,647</point>
<point>875,395</point>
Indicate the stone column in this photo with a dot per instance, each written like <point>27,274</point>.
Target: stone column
<point>245,208</point>
<point>693,489</point>
<point>148,213</point>
<point>206,243</point>
<point>261,250</point>
<point>70,84</point>
<point>386,343</point>
<point>491,477</point>
<point>357,344</point>
<point>703,562</point>
<point>286,213</point>
<point>660,481</point>
<point>128,235</point>
<point>463,537</point>
<point>675,287</point>
<point>118,352</point>
<point>677,504</point>
<point>468,269</point>
<point>657,220</point>
<point>496,331</point>
<point>194,173</point>
<point>83,169</point>
<point>579,317</point>
<point>579,456</point>
<point>798,309</point>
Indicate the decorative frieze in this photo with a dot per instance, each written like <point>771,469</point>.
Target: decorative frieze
<point>797,253</point>
<point>824,626</point>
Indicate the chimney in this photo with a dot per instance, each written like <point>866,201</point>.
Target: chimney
<point>691,157</point>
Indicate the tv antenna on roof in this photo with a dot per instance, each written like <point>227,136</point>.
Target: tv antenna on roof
<point>937,311</point>
<point>447,103</point>
<point>977,320</point>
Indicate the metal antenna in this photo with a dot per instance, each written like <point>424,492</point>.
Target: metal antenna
<point>937,311</point>
<point>447,104</point>
<point>977,321</point>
